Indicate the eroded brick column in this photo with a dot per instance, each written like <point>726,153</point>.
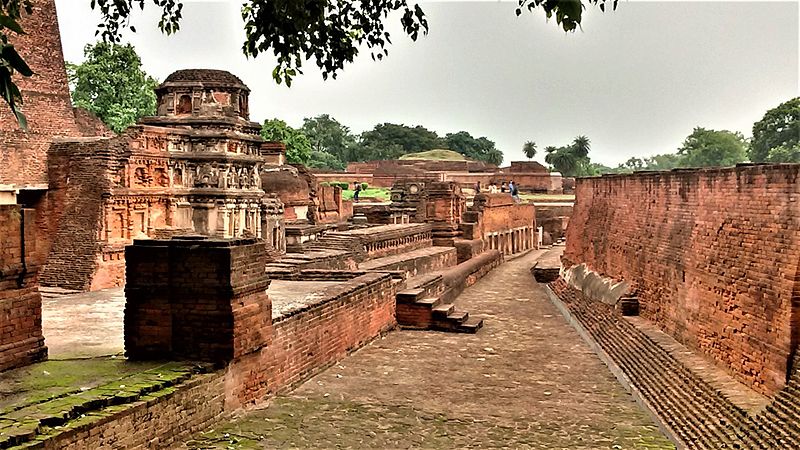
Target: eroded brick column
<point>196,298</point>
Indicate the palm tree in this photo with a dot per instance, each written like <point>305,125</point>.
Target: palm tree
<point>529,149</point>
<point>581,146</point>
<point>564,160</point>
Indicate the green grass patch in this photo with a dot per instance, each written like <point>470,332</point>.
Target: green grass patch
<point>380,193</point>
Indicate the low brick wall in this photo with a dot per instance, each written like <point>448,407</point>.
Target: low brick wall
<point>21,340</point>
<point>312,338</point>
<point>713,256</point>
<point>161,422</point>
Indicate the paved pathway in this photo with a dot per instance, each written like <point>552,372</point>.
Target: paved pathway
<point>526,380</point>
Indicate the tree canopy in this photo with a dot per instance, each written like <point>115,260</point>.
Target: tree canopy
<point>298,148</point>
<point>329,32</point>
<point>111,84</point>
<point>712,148</point>
<point>327,135</point>
<point>571,160</point>
<point>776,137</point>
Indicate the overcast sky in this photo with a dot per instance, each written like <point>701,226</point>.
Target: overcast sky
<point>636,81</point>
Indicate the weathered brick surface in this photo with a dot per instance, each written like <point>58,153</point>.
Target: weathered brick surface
<point>160,422</point>
<point>21,340</point>
<point>503,225</point>
<point>197,300</point>
<point>47,106</point>
<point>348,316</point>
<point>80,173</point>
<point>713,255</point>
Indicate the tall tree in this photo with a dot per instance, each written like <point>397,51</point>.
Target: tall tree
<point>330,32</point>
<point>326,134</point>
<point>707,148</point>
<point>529,149</point>
<point>480,149</point>
<point>776,137</point>
<point>581,146</point>
<point>298,148</point>
<point>111,84</point>
<point>389,141</point>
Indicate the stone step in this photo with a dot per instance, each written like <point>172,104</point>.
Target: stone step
<point>410,295</point>
<point>430,302</point>
<point>458,316</point>
<point>442,311</point>
<point>471,326</point>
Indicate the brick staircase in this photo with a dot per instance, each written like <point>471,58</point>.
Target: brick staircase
<point>422,308</point>
<point>695,414</point>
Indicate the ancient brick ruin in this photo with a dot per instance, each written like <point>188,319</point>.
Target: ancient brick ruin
<point>530,176</point>
<point>711,255</point>
<point>195,168</point>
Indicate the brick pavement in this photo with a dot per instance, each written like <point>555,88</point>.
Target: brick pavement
<point>526,380</point>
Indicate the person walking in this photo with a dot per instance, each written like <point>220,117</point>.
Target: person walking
<point>503,187</point>
<point>514,191</point>
<point>356,191</point>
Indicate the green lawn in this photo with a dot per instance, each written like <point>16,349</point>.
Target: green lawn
<point>380,193</point>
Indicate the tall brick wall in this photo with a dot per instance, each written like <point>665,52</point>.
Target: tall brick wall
<point>47,106</point>
<point>80,172</point>
<point>714,256</point>
<point>21,340</point>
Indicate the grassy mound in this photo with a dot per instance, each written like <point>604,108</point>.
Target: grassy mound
<point>438,154</point>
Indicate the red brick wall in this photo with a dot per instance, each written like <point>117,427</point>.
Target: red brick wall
<point>47,106</point>
<point>713,254</point>
<point>197,300</point>
<point>80,173</point>
<point>351,314</point>
<point>21,340</point>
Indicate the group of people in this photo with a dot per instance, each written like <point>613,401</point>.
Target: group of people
<point>511,188</point>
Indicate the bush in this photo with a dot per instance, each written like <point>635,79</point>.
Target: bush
<point>364,186</point>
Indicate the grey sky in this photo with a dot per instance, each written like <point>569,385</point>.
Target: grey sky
<point>636,81</point>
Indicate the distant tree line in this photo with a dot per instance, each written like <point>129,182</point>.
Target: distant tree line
<point>776,139</point>
<point>325,143</point>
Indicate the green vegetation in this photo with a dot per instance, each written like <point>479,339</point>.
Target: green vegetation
<point>711,148</point>
<point>380,193</point>
<point>298,147</point>
<point>325,143</point>
<point>435,155</point>
<point>776,137</point>
<point>529,149</point>
<point>111,84</point>
<point>571,160</point>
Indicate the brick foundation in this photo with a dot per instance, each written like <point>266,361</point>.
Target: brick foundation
<point>206,300</point>
<point>21,340</point>
<point>713,256</point>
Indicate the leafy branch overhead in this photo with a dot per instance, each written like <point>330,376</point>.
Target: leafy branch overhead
<point>10,61</point>
<point>329,32</point>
